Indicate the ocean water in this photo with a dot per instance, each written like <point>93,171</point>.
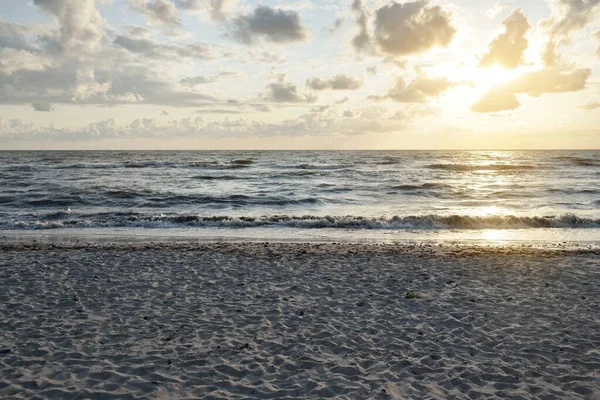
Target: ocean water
<point>277,194</point>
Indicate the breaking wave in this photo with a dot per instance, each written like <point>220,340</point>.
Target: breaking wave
<point>413,222</point>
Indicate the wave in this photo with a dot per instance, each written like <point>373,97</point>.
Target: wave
<point>234,164</point>
<point>217,177</point>
<point>480,167</point>
<point>581,161</point>
<point>419,187</point>
<point>414,222</point>
<point>123,198</point>
<point>574,191</point>
<point>322,167</point>
<point>242,162</point>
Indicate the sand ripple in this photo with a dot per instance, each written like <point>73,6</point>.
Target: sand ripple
<point>292,321</point>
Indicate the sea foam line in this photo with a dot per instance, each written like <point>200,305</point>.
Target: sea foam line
<point>416,222</point>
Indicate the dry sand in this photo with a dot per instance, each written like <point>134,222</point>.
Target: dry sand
<point>253,320</point>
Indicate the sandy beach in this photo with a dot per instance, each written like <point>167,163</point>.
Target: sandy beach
<point>293,320</point>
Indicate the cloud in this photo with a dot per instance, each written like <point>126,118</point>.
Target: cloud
<point>75,63</point>
<point>419,90</point>
<point>153,49</point>
<point>571,15</point>
<point>88,87</point>
<point>337,24</point>
<point>217,9</point>
<point>274,25</point>
<point>159,11</point>
<point>219,111</point>
<point>12,36</point>
<point>136,44</point>
<point>535,84</point>
<point>139,32</point>
<point>508,48</point>
<point>84,84</point>
<point>496,100</point>
<point>496,9</point>
<point>362,40</point>
<point>568,16</point>
<point>597,36</point>
<point>205,79</point>
<point>13,60</point>
<point>281,91</point>
<point>42,106</point>
<point>199,80</point>
<point>403,29</point>
<point>550,80</point>
<point>592,105</point>
<point>359,122</point>
<point>320,109</point>
<point>372,69</point>
<point>338,82</point>
<point>80,32</point>
<point>342,101</point>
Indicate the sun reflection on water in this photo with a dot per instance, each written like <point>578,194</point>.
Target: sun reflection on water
<point>495,235</point>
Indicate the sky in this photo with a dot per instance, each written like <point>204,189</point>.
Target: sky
<point>305,74</point>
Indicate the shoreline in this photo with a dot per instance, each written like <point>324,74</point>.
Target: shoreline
<point>292,246</point>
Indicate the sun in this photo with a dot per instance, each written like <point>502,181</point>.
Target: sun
<point>493,76</point>
<point>482,79</point>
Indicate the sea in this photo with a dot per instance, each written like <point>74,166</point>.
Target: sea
<point>493,196</point>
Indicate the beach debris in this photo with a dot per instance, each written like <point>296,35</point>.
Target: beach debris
<point>410,295</point>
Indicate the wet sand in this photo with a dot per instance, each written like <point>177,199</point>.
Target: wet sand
<point>292,320</point>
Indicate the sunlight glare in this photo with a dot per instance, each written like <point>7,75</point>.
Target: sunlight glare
<point>494,235</point>
<point>485,78</point>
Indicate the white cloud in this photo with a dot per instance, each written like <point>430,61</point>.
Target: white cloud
<point>13,60</point>
<point>568,16</point>
<point>508,48</point>
<point>80,32</point>
<point>158,11</point>
<point>535,84</point>
<point>217,9</point>
<point>153,49</point>
<point>592,105</point>
<point>332,122</point>
<point>419,90</point>
<point>87,86</point>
